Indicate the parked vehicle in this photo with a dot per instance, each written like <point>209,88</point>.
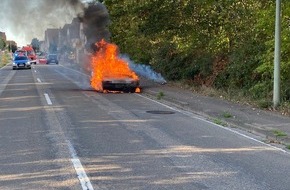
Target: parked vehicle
<point>21,62</point>
<point>52,58</point>
<point>42,59</point>
<point>30,53</point>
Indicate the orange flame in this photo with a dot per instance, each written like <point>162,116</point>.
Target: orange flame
<point>106,64</point>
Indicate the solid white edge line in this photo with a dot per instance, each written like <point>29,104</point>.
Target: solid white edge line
<point>4,66</point>
<point>84,180</point>
<point>225,128</point>
<point>47,99</point>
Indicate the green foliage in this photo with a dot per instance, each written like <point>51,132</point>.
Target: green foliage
<point>4,58</point>
<point>2,44</point>
<point>219,122</point>
<point>160,95</point>
<point>35,44</point>
<point>279,133</point>
<point>227,115</point>
<point>227,44</point>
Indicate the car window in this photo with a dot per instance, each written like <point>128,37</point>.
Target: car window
<point>30,53</point>
<point>52,56</point>
<point>20,58</point>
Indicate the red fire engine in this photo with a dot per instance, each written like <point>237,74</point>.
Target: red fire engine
<point>30,53</point>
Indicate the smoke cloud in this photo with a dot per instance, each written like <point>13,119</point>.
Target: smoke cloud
<point>23,20</point>
<point>96,21</point>
<point>144,70</point>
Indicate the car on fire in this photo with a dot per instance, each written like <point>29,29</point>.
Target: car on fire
<point>110,72</point>
<point>120,84</point>
<point>22,62</point>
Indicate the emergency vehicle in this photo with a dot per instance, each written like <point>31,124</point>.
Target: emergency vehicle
<point>30,53</point>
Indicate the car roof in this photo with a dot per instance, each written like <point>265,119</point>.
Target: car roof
<point>21,56</point>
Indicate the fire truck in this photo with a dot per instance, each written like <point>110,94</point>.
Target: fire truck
<point>30,53</point>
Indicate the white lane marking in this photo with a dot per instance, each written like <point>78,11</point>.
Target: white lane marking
<point>192,115</point>
<point>35,71</point>
<point>3,66</point>
<point>47,99</point>
<point>38,80</point>
<point>84,180</point>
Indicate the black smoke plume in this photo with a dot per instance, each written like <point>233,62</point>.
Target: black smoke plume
<point>23,20</point>
<point>95,19</point>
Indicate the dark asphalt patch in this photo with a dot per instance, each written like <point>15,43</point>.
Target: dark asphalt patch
<point>160,112</point>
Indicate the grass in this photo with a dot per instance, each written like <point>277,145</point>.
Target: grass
<point>279,133</point>
<point>227,115</point>
<point>4,59</point>
<point>160,95</point>
<point>237,96</point>
<point>264,104</point>
<point>219,122</point>
<point>288,146</point>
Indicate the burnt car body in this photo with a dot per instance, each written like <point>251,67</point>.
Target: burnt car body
<point>120,84</point>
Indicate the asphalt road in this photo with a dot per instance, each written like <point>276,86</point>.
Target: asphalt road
<point>57,133</point>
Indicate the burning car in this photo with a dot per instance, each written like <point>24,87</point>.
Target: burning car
<point>110,72</point>
<point>120,84</point>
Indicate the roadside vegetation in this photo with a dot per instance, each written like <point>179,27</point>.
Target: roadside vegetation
<point>4,58</point>
<point>224,46</point>
<point>160,95</point>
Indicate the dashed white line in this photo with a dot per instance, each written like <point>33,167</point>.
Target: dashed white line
<point>84,180</point>
<point>47,99</point>
<point>38,80</point>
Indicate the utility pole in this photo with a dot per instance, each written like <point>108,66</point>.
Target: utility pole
<point>277,56</point>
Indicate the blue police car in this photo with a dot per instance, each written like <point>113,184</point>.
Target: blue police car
<point>21,62</point>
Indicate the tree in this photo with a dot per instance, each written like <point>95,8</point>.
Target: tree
<point>2,44</point>
<point>224,44</point>
<point>35,44</point>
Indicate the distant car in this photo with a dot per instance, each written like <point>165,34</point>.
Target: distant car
<point>52,58</point>
<point>21,62</point>
<point>20,53</point>
<point>42,59</point>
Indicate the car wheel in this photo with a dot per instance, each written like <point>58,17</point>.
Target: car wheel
<point>133,90</point>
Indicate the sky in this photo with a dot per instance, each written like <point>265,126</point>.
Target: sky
<point>23,20</point>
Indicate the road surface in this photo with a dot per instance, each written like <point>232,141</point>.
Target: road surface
<point>58,133</point>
